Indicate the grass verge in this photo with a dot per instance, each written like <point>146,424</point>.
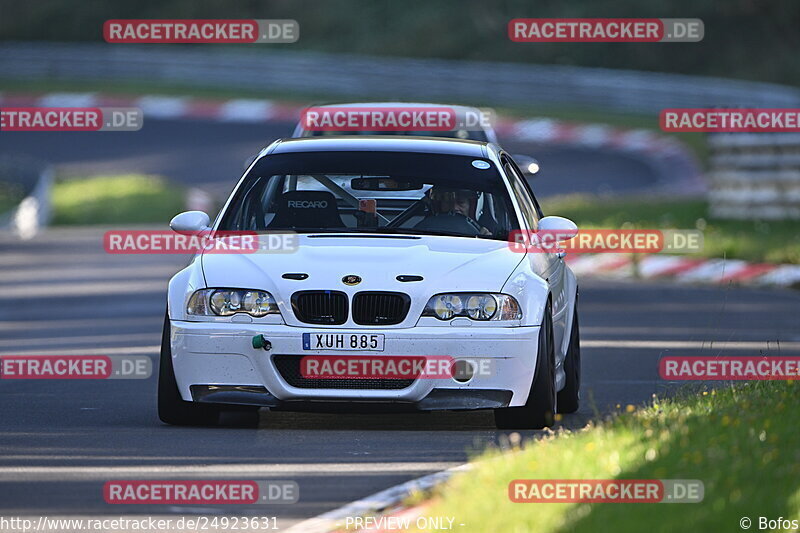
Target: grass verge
<point>752,240</point>
<point>126,199</point>
<point>741,442</point>
<point>10,196</point>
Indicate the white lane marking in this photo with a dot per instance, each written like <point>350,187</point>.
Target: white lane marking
<point>601,332</point>
<point>127,350</point>
<point>251,470</point>
<point>58,259</point>
<point>77,288</point>
<point>95,323</point>
<point>692,345</point>
<point>93,340</point>
<point>79,273</point>
<point>375,503</point>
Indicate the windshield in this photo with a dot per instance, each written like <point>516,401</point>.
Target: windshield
<point>373,192</point>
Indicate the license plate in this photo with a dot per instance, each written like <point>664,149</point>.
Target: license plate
<point>362,342</point>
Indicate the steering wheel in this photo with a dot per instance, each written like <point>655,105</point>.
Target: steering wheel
<point>451,223</point>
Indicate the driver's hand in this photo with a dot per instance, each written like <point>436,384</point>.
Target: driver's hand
<point>485,231</point>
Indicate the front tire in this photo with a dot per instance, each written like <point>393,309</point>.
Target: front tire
<point>172,409</point>
<point>539,410</point>
<point>569,396</point>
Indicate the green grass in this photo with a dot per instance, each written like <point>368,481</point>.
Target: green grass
<point>10,196</point>
<point>127,199</point>
<point>742,443</point>
<point>770,241</point>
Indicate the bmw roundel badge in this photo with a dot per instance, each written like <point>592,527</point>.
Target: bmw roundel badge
<point>351,279</point>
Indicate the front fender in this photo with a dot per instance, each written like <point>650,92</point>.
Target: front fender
<point>530,290</point>
<point>182,286</point>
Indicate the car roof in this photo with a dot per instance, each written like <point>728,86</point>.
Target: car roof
<point>460,111</point>
<point>379,143</point>
<point>400,104</point>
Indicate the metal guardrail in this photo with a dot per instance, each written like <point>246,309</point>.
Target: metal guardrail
<point>350,76</point>
<point>755,175</point>
<point>33,211</point>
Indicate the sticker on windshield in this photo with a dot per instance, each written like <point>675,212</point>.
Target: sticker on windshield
<point>483,165</point>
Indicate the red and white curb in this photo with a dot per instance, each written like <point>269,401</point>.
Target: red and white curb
<point>165,107</point>
<point>682,269</point>
<point>384,501</point>
<point>537,130</point>
<point>546,130</point>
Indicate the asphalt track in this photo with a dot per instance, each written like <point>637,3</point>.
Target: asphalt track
<point>61,294</point>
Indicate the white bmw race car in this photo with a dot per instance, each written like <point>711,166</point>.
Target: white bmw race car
<point>396,252</point>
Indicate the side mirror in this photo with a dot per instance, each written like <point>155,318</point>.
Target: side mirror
<point>191,222</point>
<point>555,229</point>
<point>526,164</point>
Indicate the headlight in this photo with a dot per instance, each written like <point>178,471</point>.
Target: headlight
<point>477,306</point>
<point>446,306</point>
<point>481,307</point>
<point>227,302</point>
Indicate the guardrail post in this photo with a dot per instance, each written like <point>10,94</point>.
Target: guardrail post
<point>755,175</point>
<point>33,211</point>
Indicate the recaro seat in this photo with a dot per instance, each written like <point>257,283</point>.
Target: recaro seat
<point>306,209</point>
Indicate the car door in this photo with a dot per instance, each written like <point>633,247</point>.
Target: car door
<point>548,265</point>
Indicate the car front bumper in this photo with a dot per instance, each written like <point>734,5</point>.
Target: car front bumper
<point>216,363</point>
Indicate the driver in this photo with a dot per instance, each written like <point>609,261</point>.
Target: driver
<point>459,204</point>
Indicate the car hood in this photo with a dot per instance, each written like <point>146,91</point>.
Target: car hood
<point>446,264</point>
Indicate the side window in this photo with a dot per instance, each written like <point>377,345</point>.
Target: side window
<point>529,208</point>
<point>527,186</point>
